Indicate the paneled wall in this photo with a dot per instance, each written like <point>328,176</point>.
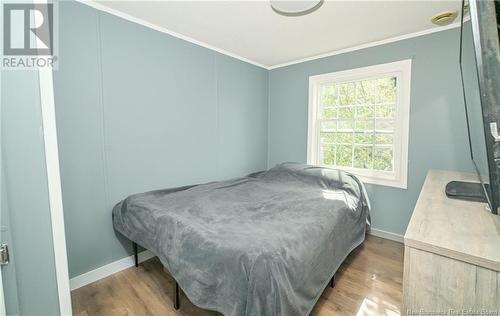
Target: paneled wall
<point>139,110</point>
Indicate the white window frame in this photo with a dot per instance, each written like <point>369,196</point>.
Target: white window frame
<point>402,71</point>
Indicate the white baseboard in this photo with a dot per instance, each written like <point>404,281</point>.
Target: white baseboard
<point>386,235</point>
<point>107,270</point>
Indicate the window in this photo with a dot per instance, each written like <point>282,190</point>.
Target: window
<point>358,122</point>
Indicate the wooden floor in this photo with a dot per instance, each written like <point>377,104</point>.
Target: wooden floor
<point>368,283</point>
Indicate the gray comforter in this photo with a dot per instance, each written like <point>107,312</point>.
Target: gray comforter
<point>266,244</point>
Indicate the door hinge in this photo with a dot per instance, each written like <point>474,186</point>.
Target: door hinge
<point>4,254</point>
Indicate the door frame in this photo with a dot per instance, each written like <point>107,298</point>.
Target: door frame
<point>49,131</point>
<point>54,188</point>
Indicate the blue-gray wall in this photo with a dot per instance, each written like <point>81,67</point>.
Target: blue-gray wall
<point>30,284</point>
<point>438,136</point>
<point>139,110</point>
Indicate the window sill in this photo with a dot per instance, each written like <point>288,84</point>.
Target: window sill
<point>382,180</point>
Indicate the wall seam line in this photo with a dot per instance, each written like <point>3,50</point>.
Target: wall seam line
<point>217,120</point>
<point>102,115</point>
<point>268,162</point>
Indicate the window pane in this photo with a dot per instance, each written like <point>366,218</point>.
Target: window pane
<point>341,137</point>
<point>384,125</point>
<point>363,157</point>
<point>363,138</point>
<point>364,112</point>
<point>346,112</point>
<point>327,154</point>
<point>384,139</point>
<point>343,94</point>
<point>382,159</point>
<point>368,91</point>
<point>357,123</point>
<point>346,93</point>
<point>344,155</point>
<point>384,111</point>
<point>387,90</point>
<point>327,138</point>
<point>328,126</point>
<point>364,125</point>
<point>329,113</point>
<point>361,98</point>
<point>346,125</point>
<point>329,95</point>
<point>344,138</point>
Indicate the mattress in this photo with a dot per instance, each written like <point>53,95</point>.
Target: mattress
<point>265,244</point>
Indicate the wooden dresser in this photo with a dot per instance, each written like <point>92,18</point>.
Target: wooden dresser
<point>452,254</point>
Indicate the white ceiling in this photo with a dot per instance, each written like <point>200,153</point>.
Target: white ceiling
<point>253,31</point>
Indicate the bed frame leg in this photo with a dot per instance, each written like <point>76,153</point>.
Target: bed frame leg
<point>136,257</point>
<point>332,281</point>
<point>177,302</point>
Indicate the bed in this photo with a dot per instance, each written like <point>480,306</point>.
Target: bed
<point>265,244</point>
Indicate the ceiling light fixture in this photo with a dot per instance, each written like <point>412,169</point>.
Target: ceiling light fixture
<point>295,7</point>
<point>444,18</point>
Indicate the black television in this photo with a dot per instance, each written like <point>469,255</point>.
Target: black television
<point>480,71</point>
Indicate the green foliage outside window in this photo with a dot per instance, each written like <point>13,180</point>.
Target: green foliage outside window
<point>357,123</point>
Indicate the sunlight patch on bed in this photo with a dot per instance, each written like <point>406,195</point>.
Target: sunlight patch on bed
<point>333,195</point>
<point>340,195</point>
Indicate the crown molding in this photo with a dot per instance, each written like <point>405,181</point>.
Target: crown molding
<point>368,45</point>
<point>155,27</point>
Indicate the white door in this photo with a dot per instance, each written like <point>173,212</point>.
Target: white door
<point>2,242</point>
<point>8,286</point>
<point>9,304</point>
